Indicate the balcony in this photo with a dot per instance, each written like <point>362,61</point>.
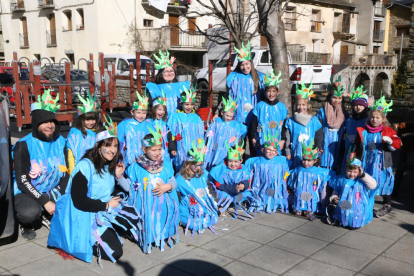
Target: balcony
<point>290,24</point>
<point>46,4</point>
<point>24,41</point>
<point>174,7</point>
<point>17,5</point>
<point>380,11</point>
<point>51,38</point>
<point>80,27</point>
<point>66,28</point>
<point>184,39</point>
<point>378,35</point>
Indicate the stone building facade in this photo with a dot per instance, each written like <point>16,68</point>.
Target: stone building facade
<point>398,18</point>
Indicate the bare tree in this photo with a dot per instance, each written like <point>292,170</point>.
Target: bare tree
<point>273,28</point>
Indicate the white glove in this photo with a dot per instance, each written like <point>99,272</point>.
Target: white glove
<point>387,140</point>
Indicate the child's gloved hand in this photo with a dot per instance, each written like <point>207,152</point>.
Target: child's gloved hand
<point>240,187</point>
<point>174,153</point>
<point>387,140</point>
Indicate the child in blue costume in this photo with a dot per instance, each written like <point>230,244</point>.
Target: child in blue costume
<point>231,181</point>
<point>360,111</point>
<point>269,173</point>
<point>302,127</point>
<point>198,210</point>
<point>246,85</point>
<point>132,131</point>
<point>185,126</point>
<point>166,83</point>
<point>353,193</point>
<point>333,116</point>
<point>220,131</point>
<point>82,137</point>
<point>40,172</point>
<point>269,114</point>
<point>307,184</point>
<point>153,194</point>
<point>159,115</point>
<point>374,143</point>
<point>88,218</point>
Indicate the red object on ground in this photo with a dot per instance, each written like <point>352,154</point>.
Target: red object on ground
<point>64,255</point>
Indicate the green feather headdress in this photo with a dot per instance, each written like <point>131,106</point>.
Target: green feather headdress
<point>142,102</point>
<point>156,140</point>
<point>230,105</point>
<point>336,87</point>
<point>308,152</point>
<point>245,53</point>
<point>303,92</point>
<point>46,102</point>
<point>235,152</point>
<point>197,153</point>
<point>382,105</point>
<point>164,61</point>
<point>189,96</point>
<point>88,105</point>
<point>271,79</point>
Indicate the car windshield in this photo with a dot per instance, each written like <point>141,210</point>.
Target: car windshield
<point>143,63</point>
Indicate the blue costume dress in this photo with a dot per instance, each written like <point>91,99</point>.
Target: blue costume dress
<point>241,87</point>
<point>269,117</point>
<point>332,139</point>
<point>360,212</point>
<point>130,135</point>
<point>217,134</point>
<point>198,210</point>
<point>269,182</point>
<point>48,165</point>
<point>308,186</point>
<point>225,176</point>
<point>76,231</point>
<point>79,144</point>
<point>189,128</point>
<point>172,92</point>
<point>299,133</point>
<point>164,129</point>
<point>351,132</point>
<point>160,215</point>
<point>373,162</point>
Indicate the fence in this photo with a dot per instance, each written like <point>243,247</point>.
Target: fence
<point>185,39</point>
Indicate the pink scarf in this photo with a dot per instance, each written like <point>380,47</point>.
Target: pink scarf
<point>372,129</point>
<point>335,117</point>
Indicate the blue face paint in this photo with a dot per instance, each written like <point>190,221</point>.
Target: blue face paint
<point>105,151</point>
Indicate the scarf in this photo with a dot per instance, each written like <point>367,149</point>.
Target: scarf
<point>302,119</point>
<point>372,129</point>
<point>335,117</point>
<point>149,165</point>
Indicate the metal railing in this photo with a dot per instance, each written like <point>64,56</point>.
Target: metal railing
<point>378,35</point>
<point>184,39</point>
<point>24,40</point>
<point>379,10</point>
<point>43,3</point>
<point>51,38</point>
<point>290,24</point>
<point>16,5</point>
<point>80,27</point>
<point>66,28</point>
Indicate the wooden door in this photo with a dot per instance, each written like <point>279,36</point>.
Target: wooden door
<point>344,54</point>
<point>192,25</point>
<point>25,34</point>
<point>52,23</point>
<point>173,21</point>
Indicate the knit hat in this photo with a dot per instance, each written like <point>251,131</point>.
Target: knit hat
<point>359,96</point>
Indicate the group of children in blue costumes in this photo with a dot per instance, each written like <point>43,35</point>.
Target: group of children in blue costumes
<point>173,173</point>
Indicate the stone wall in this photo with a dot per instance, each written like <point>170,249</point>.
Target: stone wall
<point>399,16</point>
<point>318,58</point>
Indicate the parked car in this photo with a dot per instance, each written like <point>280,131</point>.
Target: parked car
<point>122,68</point>
<point>319,75</point>
<point>78,77</point>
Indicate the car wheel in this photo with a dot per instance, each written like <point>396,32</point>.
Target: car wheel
<point>203,86</point>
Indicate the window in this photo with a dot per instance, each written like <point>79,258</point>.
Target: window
<point>263,41</point>
<point>192,25</point>
<point>264,59</point>
<point>376,49</point>
<point>37,56</point>
<point>107,60</point>
<point>122,64</point>
<point>67,21</point>
<point>80,20</point>
<point>290,19</point>
<point>51,33</point>
<point>71,57</point>
<point>402,30</point>
<point>337,22</point>
<point>52,59</point>
<point>316,21</point>
<point>143,63</point>
<point>148,23</point>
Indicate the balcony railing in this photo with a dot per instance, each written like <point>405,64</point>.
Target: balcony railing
<point>66,28</point>
<point>378,35</point>
<point>379,10</point>
<point>290,24</point>
<point>24,40</point>
<point>184,39</point>
<point>17,5</point>
<point>51,38</point>
<point>46,4</point>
